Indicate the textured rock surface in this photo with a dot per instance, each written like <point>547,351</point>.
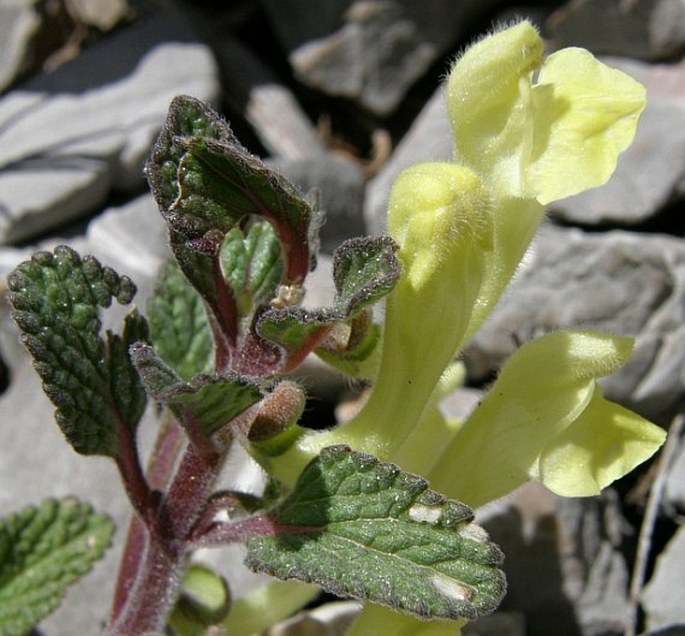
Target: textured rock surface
<point>674,496</point>
<point>614,282</point>
<point>62,152</point>
<point>647,29</point>
<point>339,186</point>
<point>19,23</point>
<point>428,139</point>
<point>661,599</point>
<point>400,41</point>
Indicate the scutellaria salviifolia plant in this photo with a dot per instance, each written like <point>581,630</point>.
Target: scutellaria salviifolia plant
<point>348,509</point>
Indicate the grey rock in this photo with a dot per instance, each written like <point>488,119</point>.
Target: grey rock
<point>62,153</point>
<point>674,493</point>
<point>304,20</point>
<point>428,139</point>
<point>651,171</point>
<point>673,630</point>
<point>270,108</point>
<point>461,402</point>
<point>369,51</point>
<point>595,572</point>
<point>133,240</point>
<point>646,29</point>
<point>339,185</point>
<point>4,374</point>
<point>526,526</point>
<point>661,599</point>
<point>616,283</point>
<point>603,606</point>
<point>19,24</point>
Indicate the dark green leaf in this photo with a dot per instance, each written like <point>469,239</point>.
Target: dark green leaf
<point>365,529</point>
<point>224,176</point>
<point>56,298</point>
<point>296,330</point>
<point>179,329</point>
<point>205,403</point>
<point>127,394</point>
<point>42,551</point>
<point>206,183</point>
<point>187,117</point>
<point>364,270</point>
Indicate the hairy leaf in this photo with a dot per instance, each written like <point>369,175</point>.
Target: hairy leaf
<point>364,270</point>
<point>179,329</point>
<point>351,348</point>
<point>205,403</point>
<point>358,527</point>
<point>42,551</point>
<point>56,298</point>
<point>226,175</point>
<point>206,183</point>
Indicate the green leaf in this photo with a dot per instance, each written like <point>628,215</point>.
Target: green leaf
<point>56,298</point>
<point>224,175</point>
<point>252,265</point>
<point>187,117</point>
<point>206,183</point>
<point>361,528</point>
<point>351,350</point>
<point>296,330</point>
<point>205,403</point>
<point>364,270</point>
<point>43,550</point>
<point>179,329</point>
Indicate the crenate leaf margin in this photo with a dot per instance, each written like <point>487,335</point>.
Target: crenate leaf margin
<point>43,550</point>
<point>365,270</point>
<point>56,299</point>
<point>362,528</point>
<point>205,403</point>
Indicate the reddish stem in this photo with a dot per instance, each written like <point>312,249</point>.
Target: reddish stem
<point>222,533</point>
<point>128,463</point>
<point>152,595</point>
<point>159,472</point>
<point>190,490</point>
<point>226,305</point>
<point>146,595</point>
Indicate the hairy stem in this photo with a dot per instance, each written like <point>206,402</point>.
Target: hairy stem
<point>155,559</point>
<point>128,463</point>
<point>160,468</point>
<point>152,595</point>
